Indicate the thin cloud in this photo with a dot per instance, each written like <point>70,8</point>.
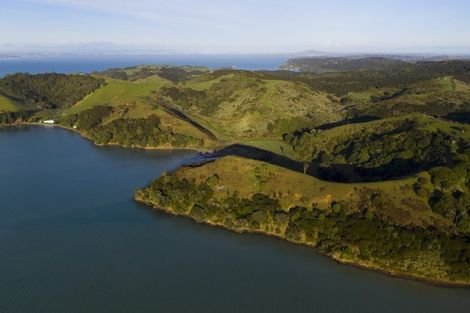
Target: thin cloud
<point>151,10</point>
<point>241,25</point>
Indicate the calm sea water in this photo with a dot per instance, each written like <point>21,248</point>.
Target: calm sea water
<point>73,240</point>
<point>67,64</point>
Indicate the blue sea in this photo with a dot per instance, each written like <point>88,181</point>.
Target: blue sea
<point>72,239</point>
<point>90,63</point>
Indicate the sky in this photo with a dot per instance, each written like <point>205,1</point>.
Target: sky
<point>240,26</point>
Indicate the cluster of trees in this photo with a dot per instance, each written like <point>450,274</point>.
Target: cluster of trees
<point>185,197</point>
<point>435,105</point>
<point>178,74</point>
<point>49,91</point>
<point>172,73</point>
<point>14,117</point>
<point>451,195</point>
<point>403,79</point>
<point>396,149</point>
<point>184,98</point>
<point>139,132</point>
<point>391,149</point>
<point>387,95</point>
<point>284,126</point>
<point>207,101</point>
<point>88,119</point>
<point>355,234</point>
<point>454,206</point>
<point>426,97</point>
<point>399,75</point>
<point>464,77</point>
<point>343,64</point>
<point>115,73</point>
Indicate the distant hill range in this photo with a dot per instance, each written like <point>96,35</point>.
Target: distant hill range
<point>7,55</point>
<point>315,62</point>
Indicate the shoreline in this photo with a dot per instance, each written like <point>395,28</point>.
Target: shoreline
<point>162,148</point>
<point>390,273</point>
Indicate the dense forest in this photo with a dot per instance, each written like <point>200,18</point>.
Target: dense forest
<point>171,73</point>
<point>380,150</point>
<point>48,91</point>
<point>321,65</point>
<point>139,132</point>
<point>341,83</point>
<point>15,117</point>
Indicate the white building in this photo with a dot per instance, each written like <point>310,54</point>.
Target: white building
<point>48,121</point>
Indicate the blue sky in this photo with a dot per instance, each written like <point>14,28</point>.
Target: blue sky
<point>242,26</point>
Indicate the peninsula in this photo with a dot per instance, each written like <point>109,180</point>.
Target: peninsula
<point>366,160</point>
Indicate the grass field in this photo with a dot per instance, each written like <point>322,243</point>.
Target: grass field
<point>278,147</point>
<point>205,82</point>
<point>7,105</point>
<point>132,99</point>
<point>246,107</point>
<point>250,110</point>
<point>121,93</point>
<point>436,96</point>
<point>247,177</point>
<point>327,139</point>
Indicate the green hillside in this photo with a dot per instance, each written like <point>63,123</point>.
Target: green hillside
<point>48,91</point>
<point>436,96</point>
<point>349,140</point>
<point>218,107</point>
<point>321,65</point>
<point>129,95</point>
<point>228,106</point>
<point>389,226</point>
<point>131,102</point>
<point>7,104</point>
<point>167,72</point>
<point>363,164</point>
<point>243,105</point>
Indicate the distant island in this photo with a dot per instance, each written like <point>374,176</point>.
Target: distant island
<point>7,55</point>
<point>365,159</point>
<point>375,62</point>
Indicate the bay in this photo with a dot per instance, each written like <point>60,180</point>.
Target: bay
<point>73,240</point>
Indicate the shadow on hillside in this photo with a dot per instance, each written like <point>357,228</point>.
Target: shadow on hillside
<point>345,173</point>
<point>461,117</point>
<point>362,119</point>
<point>253,153</point>
<point>178,114</point>
<point>396,169</point>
